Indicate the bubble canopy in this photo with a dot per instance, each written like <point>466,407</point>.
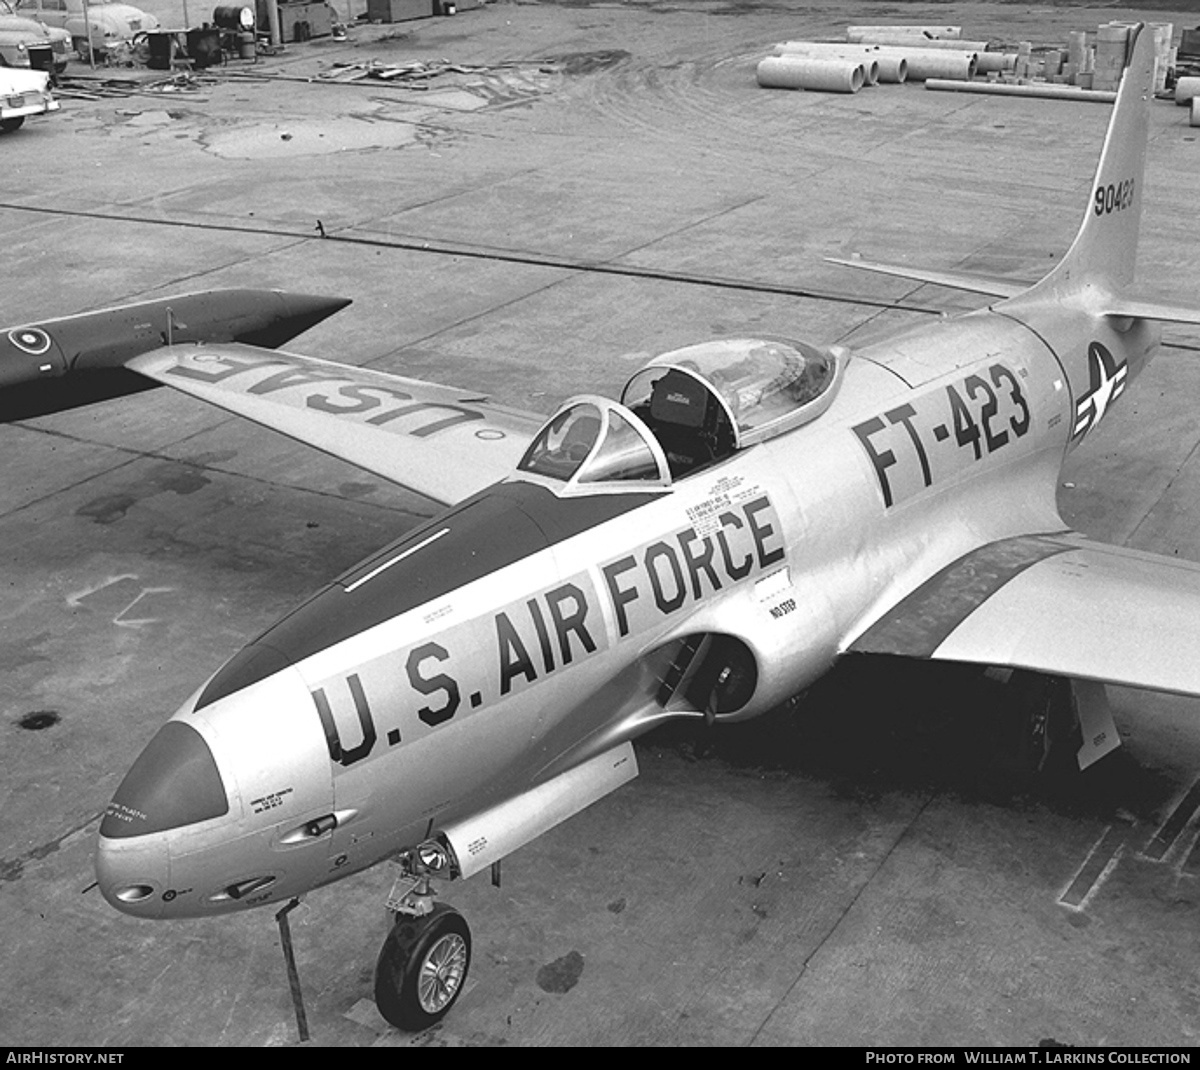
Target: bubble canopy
<point>766,386</point>
<point>687,409</point>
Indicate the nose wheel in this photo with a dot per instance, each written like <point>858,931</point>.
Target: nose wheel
<point>422,967</point>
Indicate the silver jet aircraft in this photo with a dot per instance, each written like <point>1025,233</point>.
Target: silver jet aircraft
<point>748,512</point>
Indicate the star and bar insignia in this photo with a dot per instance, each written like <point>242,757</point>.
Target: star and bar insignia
<point>1107,384</point>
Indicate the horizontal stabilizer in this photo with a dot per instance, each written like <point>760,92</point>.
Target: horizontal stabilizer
<point>1152,310</point>
<point>956,280</point>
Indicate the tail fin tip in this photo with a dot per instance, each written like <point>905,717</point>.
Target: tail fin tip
<point>1104,252</point>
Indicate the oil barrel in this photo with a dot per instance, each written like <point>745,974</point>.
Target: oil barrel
<point>233,17</point>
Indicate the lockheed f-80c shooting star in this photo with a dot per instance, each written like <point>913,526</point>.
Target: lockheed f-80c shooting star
<point>747,513</point>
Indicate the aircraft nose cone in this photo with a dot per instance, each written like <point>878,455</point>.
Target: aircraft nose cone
<point>174,782</point>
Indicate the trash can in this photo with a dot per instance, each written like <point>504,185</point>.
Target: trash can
<point>204,47</point>
<point>162,47</point>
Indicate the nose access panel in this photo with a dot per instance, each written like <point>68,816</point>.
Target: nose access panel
<point>173,783</point>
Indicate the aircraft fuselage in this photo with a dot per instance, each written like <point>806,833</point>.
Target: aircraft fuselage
<point>522,632</point>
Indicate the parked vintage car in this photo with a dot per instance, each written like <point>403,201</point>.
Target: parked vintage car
<point>23,93</point>
<point>25,42</point>
<point>113,24</point>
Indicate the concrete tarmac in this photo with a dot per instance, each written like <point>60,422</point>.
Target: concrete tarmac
<point>860,867</point>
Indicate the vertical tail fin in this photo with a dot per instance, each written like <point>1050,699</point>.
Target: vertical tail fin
<point>1104,253</point>
<point>1101,260</point>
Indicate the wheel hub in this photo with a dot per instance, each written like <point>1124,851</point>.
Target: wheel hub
<point>442,973</point>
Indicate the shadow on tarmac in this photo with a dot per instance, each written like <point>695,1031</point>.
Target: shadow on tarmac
<point>878,724</point>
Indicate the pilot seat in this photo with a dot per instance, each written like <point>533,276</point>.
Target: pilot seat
<point>688,423</point>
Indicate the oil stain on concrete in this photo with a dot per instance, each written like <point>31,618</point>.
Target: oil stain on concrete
<point>171,476</point>
<point>562,974</point>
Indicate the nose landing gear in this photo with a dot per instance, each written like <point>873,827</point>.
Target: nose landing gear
<point>423,964</point>
<point>422,967</point>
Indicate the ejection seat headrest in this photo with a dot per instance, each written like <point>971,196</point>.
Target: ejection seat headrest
<point>679,399</point>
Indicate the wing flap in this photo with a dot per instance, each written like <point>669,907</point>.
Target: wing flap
<point>442,442</point>
<point>1056,604</point>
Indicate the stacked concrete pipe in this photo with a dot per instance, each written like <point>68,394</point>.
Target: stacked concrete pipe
<point>889,67</point>
<point>920,63</point>
<point>998,62</point>
<point>827,75</point>
<point>938,63</point>
<point>909,33</point>
<point>1186,90</point>
<point>903,40</point>
<point>1045,90</point>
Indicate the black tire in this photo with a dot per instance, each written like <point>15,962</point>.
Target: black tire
<point>422,968</point>
<point>7,126</point>
<point>84,50</point>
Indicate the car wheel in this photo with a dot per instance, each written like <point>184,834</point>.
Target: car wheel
<point>7,126</point>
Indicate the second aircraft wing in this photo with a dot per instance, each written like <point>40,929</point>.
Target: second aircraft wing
<point>442,442</point>
<point>1057,604</point>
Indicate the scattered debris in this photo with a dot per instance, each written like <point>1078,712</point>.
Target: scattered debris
<point>114,88</point>
<point>416,71</point>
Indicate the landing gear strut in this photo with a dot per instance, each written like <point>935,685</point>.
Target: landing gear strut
<point>1041,722</point>
<point>423,964</point>
<point>1055,724</point>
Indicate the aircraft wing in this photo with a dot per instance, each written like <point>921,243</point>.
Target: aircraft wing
<point>1058,604</point>
<point>442,442</point>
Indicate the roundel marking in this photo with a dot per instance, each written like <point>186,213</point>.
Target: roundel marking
<point>31,340</point>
